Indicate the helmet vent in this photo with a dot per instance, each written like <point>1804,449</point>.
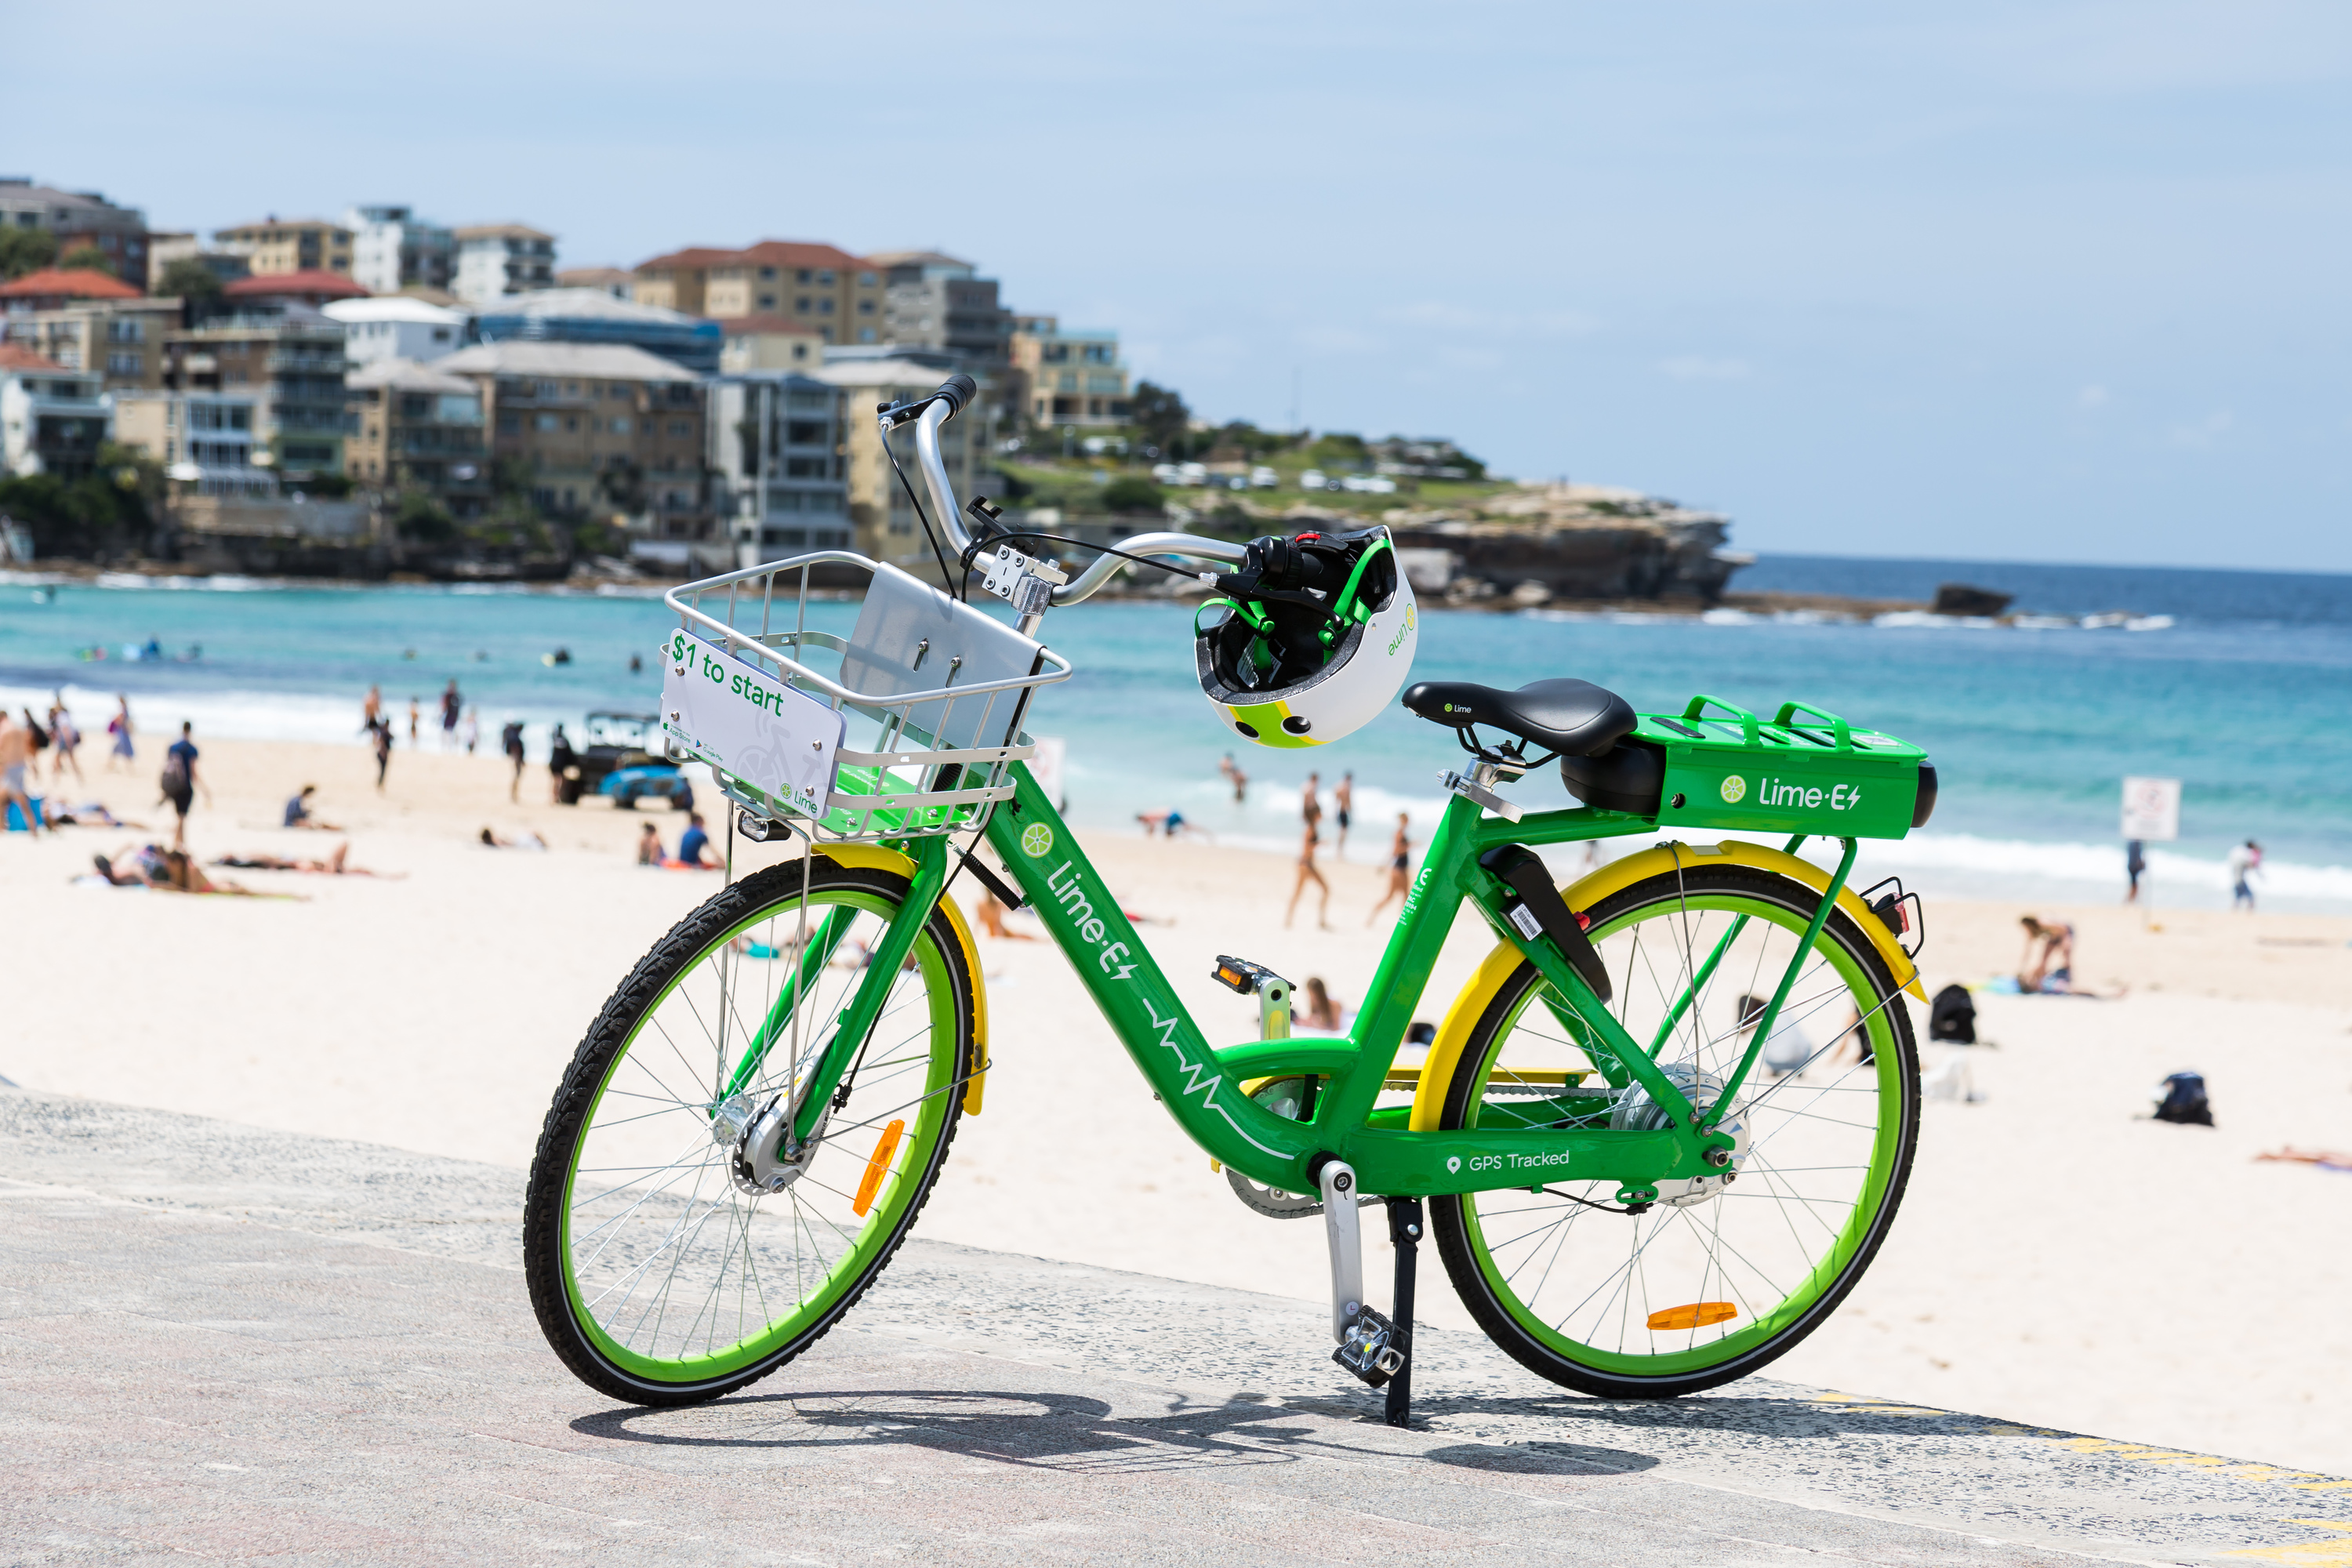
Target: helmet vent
<point>1296,725</point>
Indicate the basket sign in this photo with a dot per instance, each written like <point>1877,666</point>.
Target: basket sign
<point>2152,808</point>
<point>781,742</point>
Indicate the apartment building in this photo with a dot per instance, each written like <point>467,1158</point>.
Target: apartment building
<point>820,286</point>
<point>499,259</point>
<point>397,327</point>
<point>122,340</point>
<point>618,281</point>
<point>767,342</point>
<point>290,361</point>
<point>1068,377</point>
<point>593,316</point>
<point>165,247</point>
<point>203,440</point>
<point>393,248</point>
<point>52,289</point>
<point>884,522</point>
<point>778,464</point>
<point>418,426</point>
<point>288,244</point>
<point>599,427</point>
<point>939,302</point>
<point>315,289</point>
<point>52,420</point>
<point>81,218</point>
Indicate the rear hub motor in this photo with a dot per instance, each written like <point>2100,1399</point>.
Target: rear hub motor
<point>1637,1111</point>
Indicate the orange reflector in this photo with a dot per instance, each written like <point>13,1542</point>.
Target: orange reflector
<point>1697,1315</point>
<point>872,1180</point>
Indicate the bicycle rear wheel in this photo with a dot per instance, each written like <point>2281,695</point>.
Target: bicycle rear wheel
<point>1720,1275</point>
<point>665,1266</point>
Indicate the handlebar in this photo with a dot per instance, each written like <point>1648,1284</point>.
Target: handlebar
<point>953,396</point>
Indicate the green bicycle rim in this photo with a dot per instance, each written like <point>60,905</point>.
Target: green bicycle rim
<point>900,1188</point>
<point>1827,1271</point>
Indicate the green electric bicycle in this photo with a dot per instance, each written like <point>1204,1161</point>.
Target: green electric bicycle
<point>1658,1137</point>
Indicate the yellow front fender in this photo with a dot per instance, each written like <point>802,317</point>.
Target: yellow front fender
<point>874,855</point>
<point>1437,1071</point>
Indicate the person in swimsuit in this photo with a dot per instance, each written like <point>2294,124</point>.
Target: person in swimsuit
<point>65,737</point>
<point>119,728</point>
<point>1310,805</point>
<point>1343,801</point>
<point>1400,868</point>
<point>15,758</point>
<point>2053,969</point>
<point>1308,873</point>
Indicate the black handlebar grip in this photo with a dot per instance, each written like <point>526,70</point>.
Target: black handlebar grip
<point>957,392</point>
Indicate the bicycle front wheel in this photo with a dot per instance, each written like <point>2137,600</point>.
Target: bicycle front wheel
<point>673,1258</point>
<point>1721,1275</point>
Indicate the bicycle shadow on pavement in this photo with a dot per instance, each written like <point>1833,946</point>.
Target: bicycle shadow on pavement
<point>1065,1432</point>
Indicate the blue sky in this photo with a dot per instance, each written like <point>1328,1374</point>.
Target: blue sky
<point>2055,282</point>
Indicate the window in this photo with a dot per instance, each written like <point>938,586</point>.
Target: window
<point>124,330</point>
<point>864,334</point>
<point>767,275</point>
<point>801,276</point>
<point>866,306</point>
<point>802,305</point>
<point>571,389</point>
<point>826,277</point>
<point>825,306</point>
<point>620,426</point>
<point>510,424</point>
<point>440,334</point>
<point>805,433</point>
<point>1099,353</point>
<point>571,422</point>
<point>546,422</point>
<point>1054,353</point>
<point>416,405</point>
<point>124,364</point>
<point>549,389</point>
<point>866,280</point>
<point>680,427</point>
<point>767,301</point>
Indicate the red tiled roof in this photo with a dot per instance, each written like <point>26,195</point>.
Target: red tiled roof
<point>768,253</point>
<point>80,283</point>
<point>314,282</point>
<point>750,326</point>
<point>15,356</point>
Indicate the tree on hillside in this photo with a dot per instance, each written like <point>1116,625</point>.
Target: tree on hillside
<point>85,257</point>
<point>23,250</point>
<point>188,278</point>
<point>1160,415</point>
<point>1132,496</point>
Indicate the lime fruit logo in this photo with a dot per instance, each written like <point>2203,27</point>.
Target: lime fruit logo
<point>1735,790</point>
<point>1036,840</point>
<point>1452,1165</point>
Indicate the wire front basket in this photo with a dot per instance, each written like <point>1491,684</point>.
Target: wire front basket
<point>906,727</point>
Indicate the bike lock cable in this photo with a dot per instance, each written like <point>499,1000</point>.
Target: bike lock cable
<point>1001,535</point>
<point>946,579</point>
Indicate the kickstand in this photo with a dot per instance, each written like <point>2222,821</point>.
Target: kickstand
<point>1405,1232</point>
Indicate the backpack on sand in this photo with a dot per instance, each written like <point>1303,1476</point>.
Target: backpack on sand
<point>1952,1017</point>
<point>2182,1098</point>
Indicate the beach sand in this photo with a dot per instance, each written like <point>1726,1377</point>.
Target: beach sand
<point>2059,1258</point>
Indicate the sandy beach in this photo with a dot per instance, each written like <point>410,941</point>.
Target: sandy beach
<point>2060,1260</point>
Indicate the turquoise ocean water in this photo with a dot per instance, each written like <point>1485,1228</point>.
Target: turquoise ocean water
<point>2242,696</point>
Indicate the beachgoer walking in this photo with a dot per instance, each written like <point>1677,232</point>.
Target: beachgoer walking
<point>65,737</point>
<point>413,715</point>
<point>382,729</point>
<point>179,782</point>
<point>560,759</point>
<point>451,705</point>
<point>1400,868</point>
<point>372,710</point>
<point>473,734</point>
<point>119,728</point>
<point>2052,968</point>
<point>1235,776</point>
<point>511,743</point>
<point>1343,801</point>
<point>1310,806</point>
<point>15,758</point>
<point>2135,867</point>
<point>2245,864</point>
<point>1308,873</point>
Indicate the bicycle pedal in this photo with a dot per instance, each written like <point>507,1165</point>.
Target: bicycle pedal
<point>1369,1348</point>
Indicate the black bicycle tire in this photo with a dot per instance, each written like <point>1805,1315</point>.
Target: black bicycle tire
<point>1450,1228</point>
<point>683,945</point>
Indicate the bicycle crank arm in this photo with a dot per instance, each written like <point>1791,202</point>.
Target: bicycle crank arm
<point>1338,1179</point>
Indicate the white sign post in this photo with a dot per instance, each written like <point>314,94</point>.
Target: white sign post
<point>2151,811</point>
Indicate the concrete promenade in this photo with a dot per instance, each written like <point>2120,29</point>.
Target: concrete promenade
<point>219,1343</point>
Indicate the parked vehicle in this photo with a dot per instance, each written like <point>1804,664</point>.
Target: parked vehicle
<point>653,781</point>
<point>615,742</point>
<point>1264,479</point>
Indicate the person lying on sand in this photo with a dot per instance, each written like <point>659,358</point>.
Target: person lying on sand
<point>88,813</point>
<point>1168,823</point>
<point>335,865</point>
<point>165,870</point>
<point>529,840</point>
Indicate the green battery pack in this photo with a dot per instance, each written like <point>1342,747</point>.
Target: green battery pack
<point>1804,770</point>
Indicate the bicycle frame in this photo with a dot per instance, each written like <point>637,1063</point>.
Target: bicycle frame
<point>1202,1085</point>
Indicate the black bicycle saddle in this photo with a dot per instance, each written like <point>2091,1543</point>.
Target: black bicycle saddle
<point>1574,718</point>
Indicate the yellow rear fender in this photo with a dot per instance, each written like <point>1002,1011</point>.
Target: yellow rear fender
<point>864,855</point>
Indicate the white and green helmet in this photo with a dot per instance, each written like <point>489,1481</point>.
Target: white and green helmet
<point>1314,638</point>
